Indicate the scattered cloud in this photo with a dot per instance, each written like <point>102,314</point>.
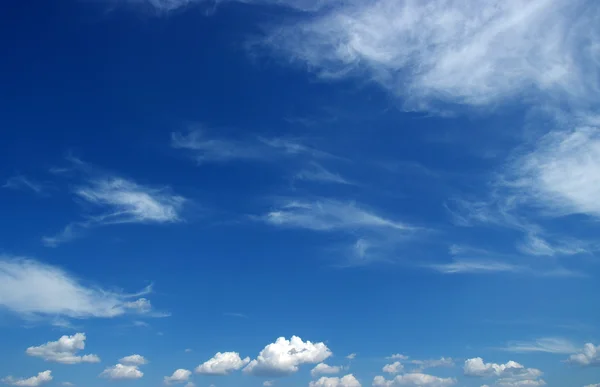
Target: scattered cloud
<point>393,368</point>
<point>508,374</point>
<point>318,173</point>
<point>188,350</point>
<point>23,183</point>
<point>122,372</point>
<point>64,350</point>
<point>34,381</point>
<point>352,356</point>
<point>413,379</point>
<point>589,356</point>
<point>136,360</point>
<point>545,344</point>
<point>458,266</point>
<point>268,383</point>
<point>439,51</point>
<point>209,149</point>
<point>222,364</point>
<point>67,384</point>
<point>397,356</point>
<point>324,369</point>
<point>32,288</point>
<point>179,376</point>
<point>345,381</point>
<point>328,215</point>
<point>285,356</point>
<point>432,363</point>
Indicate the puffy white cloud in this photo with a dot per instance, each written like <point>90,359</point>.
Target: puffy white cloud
<point>179,376</point>
<point>345,381</point>
<point>29,287</point>
<point>511,374</point>
<point>222,364</point>
<point>588,356</point>
<point>285,356</point>
<point>64,350</point>
<point>452,51</point>
<point>134,360</point>
<point>324,369</point>
<point>393,368</point>
<point>34,381</point>
<point>413,379</point>
<point>122,371</point>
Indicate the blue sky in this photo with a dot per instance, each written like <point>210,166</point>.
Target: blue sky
<point>316,193</point>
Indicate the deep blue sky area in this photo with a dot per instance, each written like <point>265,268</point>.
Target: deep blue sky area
<point>327,193</point>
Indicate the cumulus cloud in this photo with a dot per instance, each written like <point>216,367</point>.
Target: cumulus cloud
<point>179,376</point>
<point>64,350</point>
<point>414,379</point>
<point>345,381</point>
<point>285,356</point>
<point>324,369</point>
<point>587,357</point>
<point>452,51</point>
<point>34,381</point>
<point>398,356</point>
<point>134,360</point>
<point>510,374</point>
<point>393,368</point>
<point>222,364</point>
<point>122,372</point>
<point>29,287</point>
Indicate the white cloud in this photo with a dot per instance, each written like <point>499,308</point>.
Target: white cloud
<point>345,381</point>
<point>393,368</point>
<point>191,384</point>
<point>268,383</point>
<point>414,379</point>
<point>29,287</point>
<point>122,372</point>
<point>64,350</point>
<point>510,374</point>
<point>34,381</point>
<point>593,385</point>
<point>134,360</point>
<point>21,182</point>
<point>285,356</point>
<point>208,149</point>
<point>588,356</point>
<point>352,356</point>
<point>326,215</point>
<point>460,265</point>
<point>222,364</point>
<point>560,174</point>
<point>397,356</point>
<point>128,202</point>
<point>67,384</point>
<point>433,363</point>
<point>545,344</point>
<point>324,369</point>
<point>453,51</point>
<point>319,174</point>
<point>179,376</point>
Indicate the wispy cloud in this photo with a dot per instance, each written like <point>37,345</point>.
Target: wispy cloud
<point>117,200</point>
<point>545,344</point>
<point>206,148</point>
<point>317,173</point>
<point>21,182</point>
<point>475,266</point>
<point>33,289</point>
<point>452,51</point>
